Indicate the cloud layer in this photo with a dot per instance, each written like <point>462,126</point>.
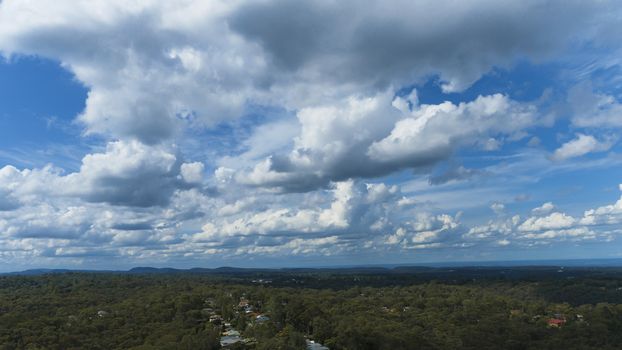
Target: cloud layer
<point>151,68</point>
<point>242,130</point>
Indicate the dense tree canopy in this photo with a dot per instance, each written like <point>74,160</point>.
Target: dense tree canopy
<point>358,311</point>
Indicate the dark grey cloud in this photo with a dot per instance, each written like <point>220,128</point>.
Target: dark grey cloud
<point>379,42</point>
<point>144,189</point>
<point>292,32</point>
<point>50,230</point>
<point>132,226</point>
<point>452,172</point>
<point>148,65</point>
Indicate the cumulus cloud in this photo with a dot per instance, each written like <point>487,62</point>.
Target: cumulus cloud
<point>192,172</point>
<point>544,209</point>
<point>581,145</point>
<point>325,246</point>
<point>49,221</point>
<point>548,226</point>
<point>433,131</point>
<point>370,137</point>
<point>7,179</point>
<point>330,146</point>
<point>153,67</point>
<point>126,173</point>
<point>496,228</point>
<point>337,72</point>
<point>354,207</point>
<point>149,67</point>
<point>552,221</point>
<point>577,233</point>
<point>533,230</point>
<point>426,231</point>
<point>609,214</point>
<point>237,207</point>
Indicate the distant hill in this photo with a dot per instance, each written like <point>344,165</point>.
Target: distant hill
<point>362,269</point>
<point>36,272</point>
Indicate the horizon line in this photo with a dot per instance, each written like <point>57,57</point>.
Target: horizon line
<point>579,262</point>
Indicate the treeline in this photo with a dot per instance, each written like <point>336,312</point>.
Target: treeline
<point>115,311</point>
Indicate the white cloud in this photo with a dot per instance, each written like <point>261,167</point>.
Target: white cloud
<point>552,221</point>
<point>9,176</point>
<point>192,172</point>
<point>326,75</point>
<point>543,209</point>
<point>426,231</point>
<point>503,242</point>
<point>48,221</point>
<point>595,224</point>
<point>369,137</point>
<point>609,214</point>
<point>152,68</point>
<point>299,246</point>
<point>576,233</point>
<point>580,146</point>
<point>354,207</point>
<point>433,131</point>
<point>498,208</point>
<point>237,207</point>
<point>503,227</point>
<point>146,64</point>
<point>330,146</point>
<point>127,173</point>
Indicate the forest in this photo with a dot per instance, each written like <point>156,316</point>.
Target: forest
<point>400,308</point>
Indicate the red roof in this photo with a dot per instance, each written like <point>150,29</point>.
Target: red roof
<point>556,321</point>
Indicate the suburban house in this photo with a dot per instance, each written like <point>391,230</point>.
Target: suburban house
<point>556,322</point>
<point>261,318</point>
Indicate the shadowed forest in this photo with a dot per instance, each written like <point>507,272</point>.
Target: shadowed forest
<point>401,308</point>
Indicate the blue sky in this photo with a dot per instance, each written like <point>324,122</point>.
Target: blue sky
<point>40,99</point>
<point>308,134</point>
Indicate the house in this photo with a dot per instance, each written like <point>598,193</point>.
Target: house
<point>243,303</point>
<point>261,318</point>
<point>216,319</point>
<point>262,281</point>
<point>556,322</point>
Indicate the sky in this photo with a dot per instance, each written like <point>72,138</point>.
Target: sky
<point>274,133</point>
